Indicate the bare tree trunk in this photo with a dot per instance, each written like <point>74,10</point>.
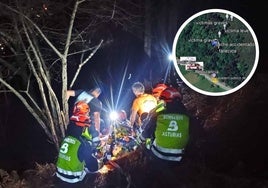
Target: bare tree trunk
<point>34,53</point>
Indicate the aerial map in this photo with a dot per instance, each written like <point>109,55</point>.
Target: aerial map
<point>216,52</point>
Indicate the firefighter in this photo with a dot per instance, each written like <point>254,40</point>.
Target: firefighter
<point>168,128</point>
<point>76,165</point>
<point>170,135</point>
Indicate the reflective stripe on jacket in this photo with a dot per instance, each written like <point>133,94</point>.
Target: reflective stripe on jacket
<point>70,177</point>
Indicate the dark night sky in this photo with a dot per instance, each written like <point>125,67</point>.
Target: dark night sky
<point>128,49</point>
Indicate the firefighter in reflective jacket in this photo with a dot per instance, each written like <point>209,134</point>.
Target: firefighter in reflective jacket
<point>75,161</point>
<point>76,156</point>
<point>167,131</point>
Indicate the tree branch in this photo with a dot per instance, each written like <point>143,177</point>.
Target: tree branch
<point>29,108</point>
<point>84,62</point>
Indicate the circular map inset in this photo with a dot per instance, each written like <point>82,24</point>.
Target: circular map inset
<point>215,52</point>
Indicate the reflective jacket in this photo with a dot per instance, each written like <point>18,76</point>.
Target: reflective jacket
<point>169,130</point>
<point>171,136</point>
<point>74,156</point>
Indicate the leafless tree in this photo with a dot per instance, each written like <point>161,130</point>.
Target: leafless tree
<point>38,42</point>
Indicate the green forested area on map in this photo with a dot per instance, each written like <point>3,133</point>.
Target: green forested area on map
<point>232,60</point>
